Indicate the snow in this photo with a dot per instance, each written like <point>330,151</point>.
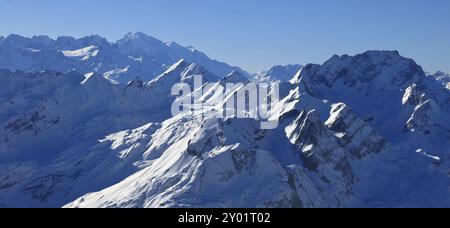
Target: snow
<point>442,77</point>
<point>278,73</point>
<point>140,59</point>
<point>423,152</point>
<point>308,148</point>
<point>114,75</point>
<point>347,134</point>
<point>146,57</point>
<point>339,135</point>
<point>84,53</point>
<point>32,50</point>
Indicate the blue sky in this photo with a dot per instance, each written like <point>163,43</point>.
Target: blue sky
<point>254,34</point>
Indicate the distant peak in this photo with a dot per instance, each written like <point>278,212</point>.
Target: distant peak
<point>65,39</point>
<point>95,39</point>
<point>372,54</point>
<point>139,41</point>
<point>134,35</point>
<point>382,69</point>
<point>440,74</point>
<point>389,52</point>
<point>285,68</point>
<point>41,37</point>
<point>282,73</point>
<point>15,36</point>
<point>138,36</point>
<point>380,54</point>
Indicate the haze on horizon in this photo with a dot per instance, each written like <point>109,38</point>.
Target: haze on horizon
<point>254,35</point>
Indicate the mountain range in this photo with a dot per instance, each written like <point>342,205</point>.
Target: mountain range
<point>87,123</point>
<point>135,55</point>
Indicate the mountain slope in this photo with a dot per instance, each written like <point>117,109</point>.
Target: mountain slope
<point>357,131</point>
<point>135,55</point>
<point>97,126</point>
<point>143,47</point>
<point>324,153</point>
<point>278,73</point>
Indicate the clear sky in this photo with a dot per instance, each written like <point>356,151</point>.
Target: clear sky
<point>253,34</point>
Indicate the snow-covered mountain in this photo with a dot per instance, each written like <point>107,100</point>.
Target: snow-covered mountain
<point>442,77</point>
<point>357,131</point>
<point>278,73</point>
<point>59,131</point>
<point>137,54</point>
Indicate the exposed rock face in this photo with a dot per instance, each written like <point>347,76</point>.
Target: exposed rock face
<point>317,144</point>
<point>356,136</point>
<point>381,69</point>
<point>413,96</point>
<point>422,118</point>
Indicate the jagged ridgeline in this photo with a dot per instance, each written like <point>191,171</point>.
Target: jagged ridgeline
<point>135,55</point>
<point>95,130</point>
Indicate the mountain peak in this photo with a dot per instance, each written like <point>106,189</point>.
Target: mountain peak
<point>373,55</point>
<point>381,69</point>
<point>95,40</point>
<point>182,71</point>
<point>176,69</point>
<point>15,40</point>
<point>42,39</point>
<point>186,68</point>
<point>443,78</point>
<point>15,37</point>
<point>135,35</point>
<point>100,137</point>
<point>279,73</point>
<point>139,37</point>
<point>197,70</point>
<point>441,74</point>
